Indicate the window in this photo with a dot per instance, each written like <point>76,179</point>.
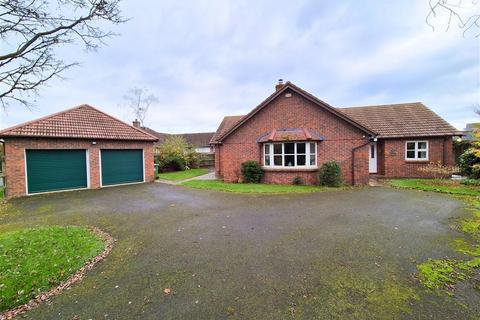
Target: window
<point>416,150</point>
<point>290,154</point>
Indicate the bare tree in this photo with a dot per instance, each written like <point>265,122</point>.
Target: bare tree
<point>139,101</point>
<point>452,9</point>
<point>31,30</point>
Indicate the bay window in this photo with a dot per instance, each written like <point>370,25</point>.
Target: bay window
<point>290,154</point>
<point>416,150</point>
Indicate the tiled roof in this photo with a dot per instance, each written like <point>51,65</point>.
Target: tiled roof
<point>200,139</point>
<point>82,122</point>
<point>239,120</point>
<point>227,123</point>
<point>160,135</point>
<point>293,134</point>
<point>401,120</point>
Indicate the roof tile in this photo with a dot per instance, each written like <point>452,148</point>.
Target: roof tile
<point>401,120</point>
<point>82,122</point>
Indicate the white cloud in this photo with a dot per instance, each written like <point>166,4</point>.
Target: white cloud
<point>207,59</point>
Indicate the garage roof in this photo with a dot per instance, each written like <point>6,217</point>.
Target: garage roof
<point>82,122</point>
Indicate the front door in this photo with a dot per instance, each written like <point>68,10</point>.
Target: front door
<point>372,165</point>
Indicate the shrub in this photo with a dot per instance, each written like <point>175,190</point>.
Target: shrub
<point>471,182</point>
<point>330,174</point>
<point>298,181</point>
<point>252,171</point>
<point>176,154</point>
<point>172,163</point>
<point>438,170</point>
<point>469,163</point>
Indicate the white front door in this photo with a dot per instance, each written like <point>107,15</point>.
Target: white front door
<point>372,164</point>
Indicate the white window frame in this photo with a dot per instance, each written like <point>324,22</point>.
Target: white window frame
<point>307,155</point>
<point>417,149</point>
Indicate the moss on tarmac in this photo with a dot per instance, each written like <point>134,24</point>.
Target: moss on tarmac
<point>337,255</point>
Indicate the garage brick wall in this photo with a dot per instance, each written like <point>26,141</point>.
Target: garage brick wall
<point>15,158</point>
<point>294,112</point>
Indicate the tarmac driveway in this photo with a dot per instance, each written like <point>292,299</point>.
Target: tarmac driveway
<point>345,254</point>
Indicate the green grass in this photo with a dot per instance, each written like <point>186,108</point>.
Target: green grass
<point>445,273</point>
<point>37,259</point>
<point>2,192</point>
<point>252,187</point>
<point>444,186</point>
<point>182,175</point>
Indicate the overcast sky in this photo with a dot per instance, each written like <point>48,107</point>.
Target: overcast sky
<point>207,59</point>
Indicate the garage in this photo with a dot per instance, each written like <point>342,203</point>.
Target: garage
<point>55,170</point>
<point>121,166</point>
<point>78,148</point>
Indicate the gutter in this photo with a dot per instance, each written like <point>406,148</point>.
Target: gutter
<point>371,138</point>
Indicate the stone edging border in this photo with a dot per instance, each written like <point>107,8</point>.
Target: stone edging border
<point>76,277</point>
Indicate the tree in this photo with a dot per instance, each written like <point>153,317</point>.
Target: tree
<point>32,30</point>
<point>139,101</point>
<point>455,11</point>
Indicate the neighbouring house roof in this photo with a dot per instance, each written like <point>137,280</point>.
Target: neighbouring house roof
<point>222,133</point>
<point>401,120</point>
<point>200,139</point>
<point>197,139</point>
<point>469,130</point>
<point>291,134</point>
<point>160,135</point>
<point>82,122</point>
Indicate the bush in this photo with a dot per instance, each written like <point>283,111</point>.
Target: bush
<point>298,181</point>
<point>252,171</point>
<point>469,164</point>
<point>330,174</point>
<point>471,182</point>
<point>438,170</point>
<point>176,154</point>
<point>172,163</point>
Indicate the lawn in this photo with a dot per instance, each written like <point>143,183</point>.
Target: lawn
<point>252,187</point>
<point>182,175</point>
<point>35,260</point>
<point>437,185</point>
<point>2,192</point>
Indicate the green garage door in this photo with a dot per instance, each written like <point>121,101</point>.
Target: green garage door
<point>122,166</point>
<point>53,170</point>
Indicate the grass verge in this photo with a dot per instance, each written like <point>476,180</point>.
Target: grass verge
<point>443,186</point>
<point>445,273</point>
<point>219,185</point>
<point>37,259</point>
<point>182,175</point>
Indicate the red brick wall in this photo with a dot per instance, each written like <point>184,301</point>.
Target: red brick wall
<point>15,162</point>
<point>395,165</point>
<point>294,112</point>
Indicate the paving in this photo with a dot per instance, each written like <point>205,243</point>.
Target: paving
<point>329,255</point>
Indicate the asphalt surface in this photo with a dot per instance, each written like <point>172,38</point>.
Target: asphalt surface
<point>332,255</point>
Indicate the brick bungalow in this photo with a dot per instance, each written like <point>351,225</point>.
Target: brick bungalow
<point>292,133</point>
<point>79,148</point>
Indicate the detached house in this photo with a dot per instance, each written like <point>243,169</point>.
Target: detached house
<point>292,133</point>
<point>78,148</point>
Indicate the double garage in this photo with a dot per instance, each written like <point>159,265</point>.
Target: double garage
<point>50,170</point>
<point>80,148</point>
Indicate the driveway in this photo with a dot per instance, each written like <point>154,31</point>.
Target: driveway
<point>345,255</point>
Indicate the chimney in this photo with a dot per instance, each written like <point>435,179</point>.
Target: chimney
<point>136,123</point>
<point>279,85</point>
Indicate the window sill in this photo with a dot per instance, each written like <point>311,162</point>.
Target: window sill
<point>417,161</point>
<point>290,169</point>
